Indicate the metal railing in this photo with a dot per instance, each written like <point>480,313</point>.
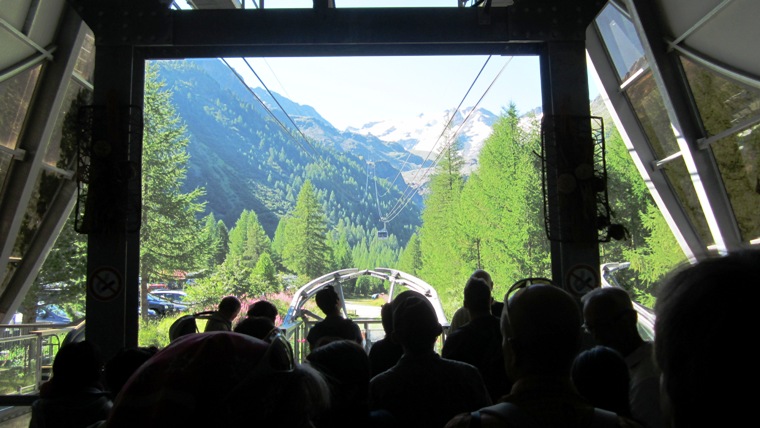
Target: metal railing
<point>371,328</point>
<point>26,355</point>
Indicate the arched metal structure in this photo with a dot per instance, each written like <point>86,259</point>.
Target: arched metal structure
<point>395,278</point>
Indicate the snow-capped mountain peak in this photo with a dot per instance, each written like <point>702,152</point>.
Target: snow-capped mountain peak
<point>428,132</point>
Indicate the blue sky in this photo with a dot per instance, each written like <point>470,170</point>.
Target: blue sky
<point>352,91</point>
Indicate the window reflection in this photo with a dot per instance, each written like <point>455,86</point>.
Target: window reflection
<point>15,95</point>
<point>681,182</point>
<point>647,103</point>
<point>62,148</point>
<point>621,40</point>
<point>738,159</point>
<point>86,60</point>
<point>45,190</point>
<point>722,103</point>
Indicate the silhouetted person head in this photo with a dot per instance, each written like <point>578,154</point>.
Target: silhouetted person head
<point>386,316</point>
<point>328,300</point>
<point>477,297</point>
<point>611,319</point>
<point>123,365</point>
<point>262,308</point>
<point>541,327</point>
<point>601,376</point>
<point>415,323</point>
<point>229,308</point>
<point>76,365</point>
<point>485,276</point>
<point>221,379</point>
<point>706,319</point>
<point>346,368</point>
<point>258,327</point>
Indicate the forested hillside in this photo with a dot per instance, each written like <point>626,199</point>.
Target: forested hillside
<point>494,219</point>
<point>246,160</point>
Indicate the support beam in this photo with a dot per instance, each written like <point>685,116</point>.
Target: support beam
<point>110,248</point>
<point>569,151</point>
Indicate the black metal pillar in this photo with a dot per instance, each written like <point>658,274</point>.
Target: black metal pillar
<point>569,152</point>
<point>109,214</point>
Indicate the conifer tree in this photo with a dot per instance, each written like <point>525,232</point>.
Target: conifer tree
<point>410,260</point>
<point>265,275</point>
<point>441,266</point>
<point>305,249</point>
<point>169,234</point>
<point>248,240</point>
<point>214,237</point>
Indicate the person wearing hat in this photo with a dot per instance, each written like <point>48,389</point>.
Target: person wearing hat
<point>423,389</point>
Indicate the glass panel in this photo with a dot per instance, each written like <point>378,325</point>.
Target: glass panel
<point>86,59</point>
<point>15,95</point>
<point>722,103</point>
<point>62,149</point>
<point>680,180</point>
<point>738,158</point>
<point>44,191</point>
<point>647,103</point>
<point>621,41</point>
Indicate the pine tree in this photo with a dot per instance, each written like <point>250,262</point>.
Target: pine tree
<point>265,275</point>
<point>306,251</point>
<point>410,260</point>
<point>441,266</point>
<point>248,240</point>
<point>169,234</point>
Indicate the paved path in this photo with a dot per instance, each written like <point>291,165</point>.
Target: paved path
<point>363,311</point>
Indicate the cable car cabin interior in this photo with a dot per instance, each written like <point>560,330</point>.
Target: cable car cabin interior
<point>647,59</point>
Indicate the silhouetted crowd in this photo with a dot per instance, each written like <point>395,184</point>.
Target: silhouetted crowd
<point>540,358</point>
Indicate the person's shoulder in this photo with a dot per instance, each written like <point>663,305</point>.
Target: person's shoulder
<point>462,368</point>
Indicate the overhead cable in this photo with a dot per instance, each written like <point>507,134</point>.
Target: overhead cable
<point>445,126</point>
<point>401,204</point>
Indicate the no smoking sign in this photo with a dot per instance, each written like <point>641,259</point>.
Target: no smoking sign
<point>105,284</point>
<point>581,279</point>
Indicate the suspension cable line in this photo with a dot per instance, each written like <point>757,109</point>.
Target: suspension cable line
<point>306,140</point>
<point>377,199</point>
<point>451,117</point>
<point>401,204</point>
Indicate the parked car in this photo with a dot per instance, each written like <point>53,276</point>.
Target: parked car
<point>52,314</point>
<point>161,306</point>
<point>174,296</point>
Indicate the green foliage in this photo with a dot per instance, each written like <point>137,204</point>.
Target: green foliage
<point>247,240</point>
<point>265,275</point>
<point>169,234</point>
<point>246,161</point>
<point>305,250</point>
<point>206,293</point>
<point>215,241</point>
<point>442,264</point>
<point>62,278</point>
<point>660,254</point>
<point>410,260</point>
<point>156,332</point>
